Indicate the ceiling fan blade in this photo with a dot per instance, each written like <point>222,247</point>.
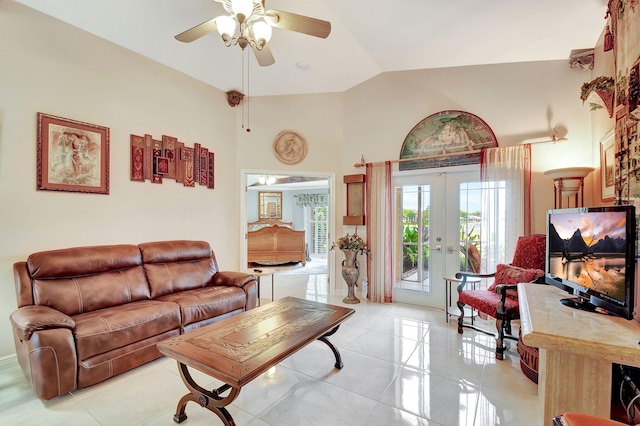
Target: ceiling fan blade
<point>264,56</point>
<point>298,23</point>
<point>198,31</point>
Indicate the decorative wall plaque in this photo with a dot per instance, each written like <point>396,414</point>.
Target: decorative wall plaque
<point>289,147</point>
<point>156,160</point>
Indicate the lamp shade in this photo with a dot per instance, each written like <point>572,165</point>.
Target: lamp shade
<point>571,178</point>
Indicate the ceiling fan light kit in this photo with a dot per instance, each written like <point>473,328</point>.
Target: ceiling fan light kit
<point>242,9</point>
<point>248,23</point>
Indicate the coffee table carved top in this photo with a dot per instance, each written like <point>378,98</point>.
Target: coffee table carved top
<point>242,340</point>
<point>238,349</point>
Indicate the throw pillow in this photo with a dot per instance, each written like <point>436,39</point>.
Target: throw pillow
<point>509,274</point>
<point>530,252</point>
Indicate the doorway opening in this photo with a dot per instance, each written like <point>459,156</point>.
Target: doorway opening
<point>302,203</point>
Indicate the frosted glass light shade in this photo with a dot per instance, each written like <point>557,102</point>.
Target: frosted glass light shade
<point>226,26</point>
<point>244,7</point>
<point>262,31</point>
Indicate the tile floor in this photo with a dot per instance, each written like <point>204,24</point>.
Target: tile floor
<point>404,365</point>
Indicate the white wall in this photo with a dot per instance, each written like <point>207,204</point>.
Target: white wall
<point>518,101</point>
<point>54,68</point>
<point>51,67</point>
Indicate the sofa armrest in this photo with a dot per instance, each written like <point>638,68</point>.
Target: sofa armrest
<point>247,282</point>
<point>233,279</point>
<point>29,319</point>
<point>46,349</point>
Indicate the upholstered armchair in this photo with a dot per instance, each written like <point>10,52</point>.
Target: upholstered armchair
<point>500,299</point>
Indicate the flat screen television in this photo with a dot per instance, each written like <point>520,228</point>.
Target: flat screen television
<point>591,253</point>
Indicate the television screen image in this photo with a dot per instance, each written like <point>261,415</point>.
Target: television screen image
<point>590,250</point>
<point>591,253</point>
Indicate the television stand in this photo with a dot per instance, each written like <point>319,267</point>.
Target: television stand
<point>583,305</point>
<point>577,351</point>
<point>578,303</point>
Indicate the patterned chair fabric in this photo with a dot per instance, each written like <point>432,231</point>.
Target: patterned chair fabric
<point>530,252</point>
<point>500,300</point>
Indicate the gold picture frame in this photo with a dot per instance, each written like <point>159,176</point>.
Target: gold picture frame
<point>608,166</point>
<point>72,156</point>
<point>269,205</point>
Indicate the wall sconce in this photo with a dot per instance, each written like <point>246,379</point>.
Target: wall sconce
<point>567,183</point>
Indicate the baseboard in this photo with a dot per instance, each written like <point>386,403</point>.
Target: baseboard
<point>8,361</point>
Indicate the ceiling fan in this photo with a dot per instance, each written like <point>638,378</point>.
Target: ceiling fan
<point>248,23</point>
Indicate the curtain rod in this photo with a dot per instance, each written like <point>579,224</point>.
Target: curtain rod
<point>363,164</point>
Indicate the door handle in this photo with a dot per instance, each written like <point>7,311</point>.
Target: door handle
<point>450,250</point>
<point>437,248</point>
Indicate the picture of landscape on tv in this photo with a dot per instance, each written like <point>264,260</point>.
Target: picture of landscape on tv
<point>589,249</point>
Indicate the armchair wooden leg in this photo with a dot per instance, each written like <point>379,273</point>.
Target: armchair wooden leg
<point>461,317</point>
<point>500,347</point>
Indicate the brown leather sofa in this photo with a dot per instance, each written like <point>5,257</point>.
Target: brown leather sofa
<point>86,314</point>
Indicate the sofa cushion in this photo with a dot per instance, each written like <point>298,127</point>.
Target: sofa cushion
<point>209,302</point>
<point>104,330</point>
<point>173,266</point>
<point>101,367</point>
<point>84,279</point>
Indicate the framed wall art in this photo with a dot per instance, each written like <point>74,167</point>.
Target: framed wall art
<point>446,138</point>
<point>72,156</point>
<point>608,166</point>
<point>623,16</point>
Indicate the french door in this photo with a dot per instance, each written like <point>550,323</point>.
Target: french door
<point>437,214</point>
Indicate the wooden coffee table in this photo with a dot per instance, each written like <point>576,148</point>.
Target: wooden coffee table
<point>238,349</point>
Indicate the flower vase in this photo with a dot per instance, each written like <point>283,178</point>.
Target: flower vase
<point>350,273</point>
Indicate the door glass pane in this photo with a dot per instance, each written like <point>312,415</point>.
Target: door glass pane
<point>470,224</point>
<point>414,203</point>
<point>316,227</point>
<point>424,238</point>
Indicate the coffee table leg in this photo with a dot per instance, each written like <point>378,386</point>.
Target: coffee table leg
<point>324,339</point>
<point>211,400</point>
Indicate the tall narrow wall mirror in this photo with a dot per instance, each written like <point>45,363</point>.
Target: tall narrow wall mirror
<point>270,205</point>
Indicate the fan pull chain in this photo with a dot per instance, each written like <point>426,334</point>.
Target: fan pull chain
<point>248,97</point>
<point>245,66</point>
<point>243,91</point>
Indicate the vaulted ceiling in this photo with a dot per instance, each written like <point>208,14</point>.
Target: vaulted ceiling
<point>367,37</point>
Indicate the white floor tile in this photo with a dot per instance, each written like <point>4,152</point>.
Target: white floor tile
<point>434,397</point>
<point>385,346</point>
<point>403,365</point>
<point>362,374</point>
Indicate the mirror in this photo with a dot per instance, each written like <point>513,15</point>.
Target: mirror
<point>270,205</point>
